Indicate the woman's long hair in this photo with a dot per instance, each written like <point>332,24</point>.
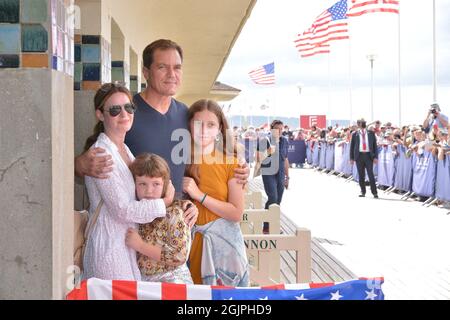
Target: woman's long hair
<point>102,95</point>
<point>225,143</point>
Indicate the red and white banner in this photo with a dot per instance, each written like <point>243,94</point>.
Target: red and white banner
<point>320,121</point>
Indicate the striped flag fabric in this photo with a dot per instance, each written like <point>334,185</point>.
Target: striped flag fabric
<point>264,74</point>
<point>96,289</point>
<point>308,48</point>
<point>329,26</point>
<point>360,7</point>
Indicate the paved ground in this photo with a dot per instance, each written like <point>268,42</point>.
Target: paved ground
<point>407,244</point>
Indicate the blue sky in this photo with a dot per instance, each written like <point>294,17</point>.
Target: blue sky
<point>269,34</point>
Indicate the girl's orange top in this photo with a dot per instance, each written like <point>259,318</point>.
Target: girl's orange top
<point>214,179</point>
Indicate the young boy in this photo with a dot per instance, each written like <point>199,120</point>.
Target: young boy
<point>163,245</point>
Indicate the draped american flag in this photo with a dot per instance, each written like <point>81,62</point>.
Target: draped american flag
<point>330,25</point>
<point>360,7</point>
<point>264,74</point>
<point>96,289</point>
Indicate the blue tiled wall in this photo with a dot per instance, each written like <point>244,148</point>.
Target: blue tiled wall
<point>25,40</point>
<point>92,62</point>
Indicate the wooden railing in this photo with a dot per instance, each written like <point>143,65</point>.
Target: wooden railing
<point>267,264</point>
<point>253,200</point>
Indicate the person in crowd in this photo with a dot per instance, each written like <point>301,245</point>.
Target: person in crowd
<point>435,119</point>
<point>162,245</point>
<point>259,133</point>
<point>218,255</point>
<point>377,125</point>
<point>300,135</point>
<point>250,133</point>
<point>364,151</point>
<point>273,155</point>
<point>106,256</point>
<point>287,133</point>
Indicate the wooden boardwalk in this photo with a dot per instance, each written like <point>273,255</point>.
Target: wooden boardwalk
<point>324,266</point>
<point>402,241</point>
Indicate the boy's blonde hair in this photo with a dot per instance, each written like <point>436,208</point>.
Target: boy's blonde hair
<point>151,165</point>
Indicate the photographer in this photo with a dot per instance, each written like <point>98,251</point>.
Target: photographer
<point>435,119</point>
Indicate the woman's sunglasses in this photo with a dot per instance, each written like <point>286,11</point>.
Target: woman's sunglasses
<point>114,111</point>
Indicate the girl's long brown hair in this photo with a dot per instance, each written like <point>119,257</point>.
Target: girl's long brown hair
<point>226,141</point>
<point>102,95</point>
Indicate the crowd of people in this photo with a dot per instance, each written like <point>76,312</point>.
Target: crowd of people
<point>254,133</point>
<point>431,136</point>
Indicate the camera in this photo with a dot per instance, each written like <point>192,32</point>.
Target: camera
<point>434,108</point>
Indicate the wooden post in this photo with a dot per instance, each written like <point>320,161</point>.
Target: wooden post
<point>303,256</point>
<point>264,246</point>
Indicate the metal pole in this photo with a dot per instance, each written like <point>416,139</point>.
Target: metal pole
<point>434,53</point>
<point>399,74</point>
<point>371,58</point>
<point>350,78</point>
<point>371,89</point>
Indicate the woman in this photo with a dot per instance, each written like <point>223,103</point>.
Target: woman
<point>218,254</point>
<point>107,257</point>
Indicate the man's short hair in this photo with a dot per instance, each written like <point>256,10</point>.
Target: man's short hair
<point>161,44</point>
<point>275,123</point>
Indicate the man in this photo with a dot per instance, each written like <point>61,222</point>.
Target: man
<point>275,166</point>
<point>287,133</point>
<point>158,115</point>
<point>435,119</point>
<point>363,150</point>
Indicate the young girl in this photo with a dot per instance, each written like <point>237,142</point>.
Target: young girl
<point>162,245</point>
<point>218,254</point>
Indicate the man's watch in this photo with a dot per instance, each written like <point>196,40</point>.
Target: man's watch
<point>287,177</point>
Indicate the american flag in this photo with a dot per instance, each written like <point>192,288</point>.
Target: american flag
<point>330,25</point>
<point>360,7</point>
<point>264,74</point>
<point>96,289</point>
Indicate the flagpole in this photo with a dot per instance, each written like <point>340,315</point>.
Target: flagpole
<point>350,74</point>
<point>399,73</point>
<point>329,88</point>
<point>434,53</point>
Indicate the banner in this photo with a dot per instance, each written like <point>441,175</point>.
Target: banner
<point>339,156</point>
<point>323,155</point>
<point>386,166</point>
<point>297,151</point>
<point>347,168</point>
<point>424,174</point>
<point>316,154</point>
<point>96,289</point>
<point>403,170</point>
<point>329,161</point>
<point>306,122</point>
<point>309,153</point>
<point>250,150</point>
<point>443,179</point>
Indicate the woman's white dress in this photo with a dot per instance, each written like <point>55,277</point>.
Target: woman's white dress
<point>107,257</point>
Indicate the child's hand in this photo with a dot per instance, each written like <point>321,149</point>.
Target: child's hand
<point>170,194</point>
<point>190,213</point>
<point>191,188</point>
<point>133,240</point>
